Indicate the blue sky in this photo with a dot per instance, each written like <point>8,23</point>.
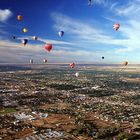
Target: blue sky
<point>89,32</point>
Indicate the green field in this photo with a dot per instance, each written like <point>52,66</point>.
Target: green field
<point>7,110</point>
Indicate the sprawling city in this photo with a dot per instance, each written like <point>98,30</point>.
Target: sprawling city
<point>40,102</point>
<point>69,69</point>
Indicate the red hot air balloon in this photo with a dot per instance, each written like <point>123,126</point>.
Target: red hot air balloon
<point>116,26</point>
<point>72,65</point>
<point>48,47</point>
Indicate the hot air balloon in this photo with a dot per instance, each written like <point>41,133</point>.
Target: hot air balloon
<point>24,41</point>
<point>89,2</point>
<point>45,60</point>
<point>103,57</point>
<point>14,37</point>
<point>116,26</point>
<point>72,65</point>
<point>76,74</point>
<point>34,37</point>
<point>48,47</point>
<point>125,63</point>
<point>31,61</point>
<point>25,30</point>
<point>19,17</point>
<point>61,33</point>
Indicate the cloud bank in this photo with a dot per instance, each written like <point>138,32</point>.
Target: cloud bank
<point>5,15</point>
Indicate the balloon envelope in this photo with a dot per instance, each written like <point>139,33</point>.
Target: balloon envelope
<point>24,41</point>
<point>45,60</point>
<point>72,65</point>
<point>61,33</point>
<point>125,63</point>
<point>116,26</point>
<point>77,74</point>
<point>14,37</point>
<point>48,47</point>
<point>34,37</point>
<point>25,30</point>
<point>89,2</point>
<point>31,61</point>
<point>19,17</point>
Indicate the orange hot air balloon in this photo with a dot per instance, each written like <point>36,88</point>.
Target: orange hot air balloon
<point>25,30</point>
<point>48,47</point>
<point>116,26</point>
<point>19,17</point>
<point>72,65</point>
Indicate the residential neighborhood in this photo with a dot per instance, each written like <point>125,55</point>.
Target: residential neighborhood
<point>54,104</point>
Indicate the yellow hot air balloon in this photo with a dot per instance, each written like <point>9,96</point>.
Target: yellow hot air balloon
<point>25,30</point>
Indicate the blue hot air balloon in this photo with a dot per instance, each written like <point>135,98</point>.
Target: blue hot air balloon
<point>61,33</point>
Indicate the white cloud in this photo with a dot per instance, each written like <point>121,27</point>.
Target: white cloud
<point>58,42</point>
<point>130,26</point>
<point>128,9</point>
<point>2,31</point>
<point>16,52</point>
<point>11,52</point>
<point>84,36</point>
<point>43,40</point>
<point>80,35</point>
<point>82,32</point>
<point>5,15</point>
<point>126,40</point>
<point>103,2</point>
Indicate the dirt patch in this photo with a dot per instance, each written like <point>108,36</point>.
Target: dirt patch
<point>38,123</point>
<point>60,106</point>
<point>91,117</point>
<point>68,128</point>
<point>24,133</point>
<point>84,138</point>
<point>56,121</point>
<point>58,118</point>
